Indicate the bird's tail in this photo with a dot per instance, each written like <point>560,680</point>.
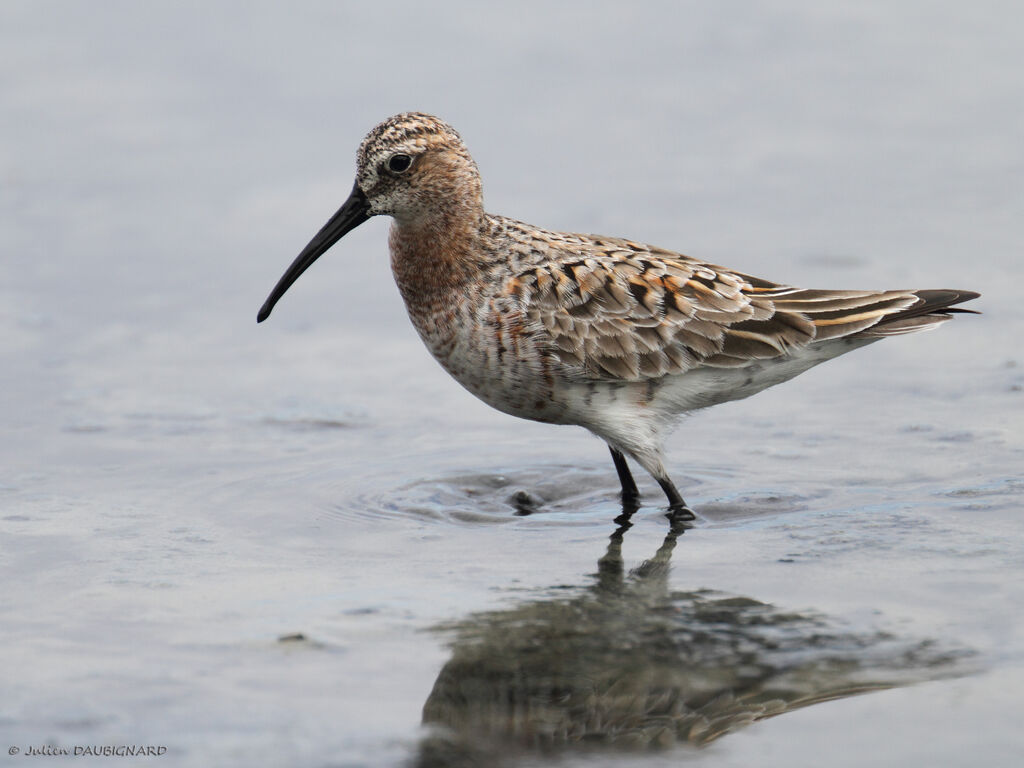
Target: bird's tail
<point>932,308</point>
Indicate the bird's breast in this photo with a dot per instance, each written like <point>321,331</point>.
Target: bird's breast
<point>483,342</point>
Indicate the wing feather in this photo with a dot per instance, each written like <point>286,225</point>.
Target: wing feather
<point>614,309</point>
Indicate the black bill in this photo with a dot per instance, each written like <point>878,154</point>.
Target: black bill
<point>352,213</point>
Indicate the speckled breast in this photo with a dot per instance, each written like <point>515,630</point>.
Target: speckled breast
<point>485,345</point>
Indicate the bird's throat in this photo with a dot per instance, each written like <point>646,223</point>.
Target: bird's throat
<point>434,259</point>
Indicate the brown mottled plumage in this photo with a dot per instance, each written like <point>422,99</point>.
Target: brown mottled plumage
<point>613,335</point>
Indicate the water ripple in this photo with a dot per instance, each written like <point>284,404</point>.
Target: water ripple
<point>556,495</point>
<point>545,495</point>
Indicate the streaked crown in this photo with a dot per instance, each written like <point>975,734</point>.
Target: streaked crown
<point>415,163</point>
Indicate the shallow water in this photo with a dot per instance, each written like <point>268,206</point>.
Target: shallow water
<point>300,543</point>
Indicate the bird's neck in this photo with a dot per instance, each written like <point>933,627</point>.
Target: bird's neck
<point>434,257</point>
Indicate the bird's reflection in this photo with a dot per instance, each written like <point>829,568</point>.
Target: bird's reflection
<point>626,663</point>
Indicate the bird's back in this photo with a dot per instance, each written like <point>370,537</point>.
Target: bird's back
<point>614,309</point>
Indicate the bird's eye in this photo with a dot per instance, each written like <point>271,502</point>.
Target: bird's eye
<point>399,163</point>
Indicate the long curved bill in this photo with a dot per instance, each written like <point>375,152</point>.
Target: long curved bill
<point>352,213</point>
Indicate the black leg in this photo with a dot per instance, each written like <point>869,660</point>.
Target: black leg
<point>629,490</point>
<point>677,509</point>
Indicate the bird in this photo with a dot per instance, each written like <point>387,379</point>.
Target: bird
<point>610,334</point>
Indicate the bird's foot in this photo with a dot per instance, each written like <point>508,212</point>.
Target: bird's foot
<point>680,514</point>
<point>631,501</point>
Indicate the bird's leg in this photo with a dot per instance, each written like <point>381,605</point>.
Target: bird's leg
<point>630,494</point>
<point>677,509</point>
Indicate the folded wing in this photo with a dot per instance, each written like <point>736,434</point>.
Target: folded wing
<point>626,311</point>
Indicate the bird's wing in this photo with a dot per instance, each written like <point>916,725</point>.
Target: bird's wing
<point>626,311</point>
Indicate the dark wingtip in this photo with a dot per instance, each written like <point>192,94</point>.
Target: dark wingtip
<point>945,297</point>
<point>932,301</point>
<point>942,301</point>
<point>264,313</point>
